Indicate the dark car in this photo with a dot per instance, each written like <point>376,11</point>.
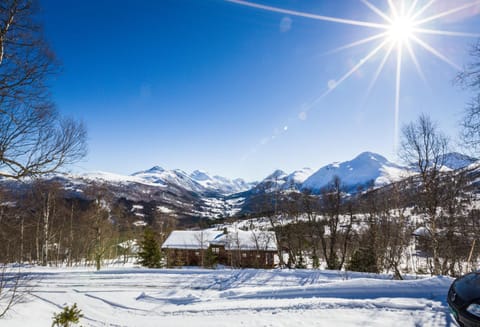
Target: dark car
<point>464,300</point>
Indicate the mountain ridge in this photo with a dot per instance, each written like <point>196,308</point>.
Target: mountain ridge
<point>198,194</point>
<point>365,168</point>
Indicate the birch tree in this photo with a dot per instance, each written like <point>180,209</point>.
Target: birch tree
<point>34,138</point>
<point>425,147</point>
<point>470,79</point>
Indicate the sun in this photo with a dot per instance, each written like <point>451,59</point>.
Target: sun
<point>401,29</point>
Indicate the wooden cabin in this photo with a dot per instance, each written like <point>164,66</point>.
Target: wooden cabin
<point>235,248</point>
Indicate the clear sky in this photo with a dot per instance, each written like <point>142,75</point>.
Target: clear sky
<point>236,90</point>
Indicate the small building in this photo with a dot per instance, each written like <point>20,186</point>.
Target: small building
<point>235,248</point>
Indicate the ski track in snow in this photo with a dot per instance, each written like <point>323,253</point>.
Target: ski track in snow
<point>186,297</point>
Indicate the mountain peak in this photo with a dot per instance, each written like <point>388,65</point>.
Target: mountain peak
<point>153,170</point>
<point>276,175</point>
<point>364,168</point>
<point>455,160</point>
<point>200,175</point>
<point>370,156</point>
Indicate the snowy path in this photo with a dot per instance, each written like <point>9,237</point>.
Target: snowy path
<point>196,297</point>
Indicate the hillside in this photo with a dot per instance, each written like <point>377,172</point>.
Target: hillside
<point>189,197</point>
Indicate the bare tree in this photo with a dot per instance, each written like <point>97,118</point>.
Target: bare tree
<point>262,240</point>
<point>470,78</point>
<point>101,234</point>
<point>13,287</point>
<point>335,242</point>
<point>425,147</point>
<point>34,138</point>
<point>203,243</point>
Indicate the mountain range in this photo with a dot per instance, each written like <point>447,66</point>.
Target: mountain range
<point>366,168</point>
<point>198,181</point>
<point>199,194</point>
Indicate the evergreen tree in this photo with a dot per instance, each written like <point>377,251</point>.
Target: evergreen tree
<point>69,315</point>
<point>363,260</point>
<point>211,259</point>
<point>150,254</point>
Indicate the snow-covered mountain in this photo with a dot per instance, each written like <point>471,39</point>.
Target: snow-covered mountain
<point>365,168</point>
<point>220,184</point>
<point>280,180</point>
<point>158,175</point>
<point>455,160</point>
<point>297,178</point>
<point>198,181</point>
<point>272,182</point>
<point>189,196</point>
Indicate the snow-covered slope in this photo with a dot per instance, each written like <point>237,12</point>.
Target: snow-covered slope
<point>199,194</point>
<point>298,177</point>
<point>232,297</point>
<point>364,169</point>
<point>107,177</point>
<point>220,184</point>
<point>198,181</point>
<point>272,182</point>
<point>280,180</point>
<point>455,160</point>
<point>367,167</point>
<point>360,171</point>
<point>158,175</point>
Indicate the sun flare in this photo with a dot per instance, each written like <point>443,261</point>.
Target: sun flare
<point>401,29</point>
<point>403,23</point>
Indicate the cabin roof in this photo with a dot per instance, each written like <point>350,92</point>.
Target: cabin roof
<point>231,240</point>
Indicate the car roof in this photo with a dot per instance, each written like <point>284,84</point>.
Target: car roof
<point>468,286</point>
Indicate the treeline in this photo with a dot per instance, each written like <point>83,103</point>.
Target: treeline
<point>377,230</point>
<point>380,230</point>
<point>42,224</point>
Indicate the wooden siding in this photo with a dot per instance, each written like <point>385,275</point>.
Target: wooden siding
<point>233,258</point>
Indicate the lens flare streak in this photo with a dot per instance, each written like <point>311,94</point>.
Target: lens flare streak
<point>307,15</point>
<point>437,54</point>
<point>359,42</point>
<point>397,97</point>
<point>402,26</point>
<point>378,11</point>
<point>445,33</point>
<point>415,61</point>
<point>380,68</point>
<point>417,14</point>
<point>447,13</point>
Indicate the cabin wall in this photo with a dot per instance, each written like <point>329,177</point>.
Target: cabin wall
<point>232,258</point>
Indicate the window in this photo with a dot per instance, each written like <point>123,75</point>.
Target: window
<point>216,250</point>
<point>244,254</point>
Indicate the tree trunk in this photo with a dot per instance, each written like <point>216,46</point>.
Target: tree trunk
<point>46,217</point>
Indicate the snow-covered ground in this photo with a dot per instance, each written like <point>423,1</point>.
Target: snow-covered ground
<point>198,297</point>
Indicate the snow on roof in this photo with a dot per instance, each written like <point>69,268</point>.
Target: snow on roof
<point>421,231</point>
<point>163,209</point>
<point>189,239</point>
<point>248,240</point>
<point>233,240</point>
<point>8,204</point>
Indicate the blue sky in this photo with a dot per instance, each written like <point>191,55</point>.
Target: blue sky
<point>220,86</point>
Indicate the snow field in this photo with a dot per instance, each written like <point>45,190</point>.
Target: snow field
<point>198,297</point>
